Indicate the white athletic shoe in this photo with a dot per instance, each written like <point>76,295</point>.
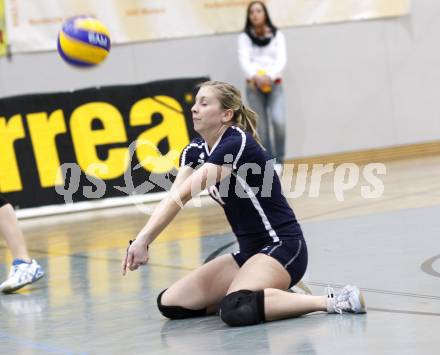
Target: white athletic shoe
<point>349,300</point>
<point>21,275</point>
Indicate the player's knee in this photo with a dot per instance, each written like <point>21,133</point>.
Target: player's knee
<point>177,312</point>
<point>243,307</point>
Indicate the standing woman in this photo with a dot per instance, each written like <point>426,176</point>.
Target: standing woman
<point>262,55</point>
<point>249,286</point>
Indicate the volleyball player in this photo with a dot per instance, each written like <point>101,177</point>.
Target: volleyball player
<point>248,286</point>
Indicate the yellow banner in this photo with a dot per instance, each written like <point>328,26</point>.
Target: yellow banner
<point>50,141</point>
<point>33,25</point>
<point>2,29</point>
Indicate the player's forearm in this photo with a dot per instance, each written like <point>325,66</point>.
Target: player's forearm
<point>174,202</point>
<point>162,216</point>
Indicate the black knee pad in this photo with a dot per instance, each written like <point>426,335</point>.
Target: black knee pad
<point>177,312</point>
<point>243,307</point>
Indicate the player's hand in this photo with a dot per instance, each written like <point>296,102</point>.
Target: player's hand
<point>137,255</point>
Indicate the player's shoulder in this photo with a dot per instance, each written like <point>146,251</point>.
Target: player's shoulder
<point>234,133</point>
<point>192,152</point>
<point>236,139</point>
<point>238,135</point>
<point>195,144</point>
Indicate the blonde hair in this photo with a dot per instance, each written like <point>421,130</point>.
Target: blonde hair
<point>230,99</point>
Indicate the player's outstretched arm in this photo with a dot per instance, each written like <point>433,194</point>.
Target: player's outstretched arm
<point>189,183</point>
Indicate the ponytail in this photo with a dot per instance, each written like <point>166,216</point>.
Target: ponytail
<point>247,120</point>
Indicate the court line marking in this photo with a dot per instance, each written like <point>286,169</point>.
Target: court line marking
<point>402,311</point>
<point>428,268</point>
<point>385,292</point>
<point>217,252</point>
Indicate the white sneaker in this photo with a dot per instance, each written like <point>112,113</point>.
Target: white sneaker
<point>21,275</point>
<point>349,300</point>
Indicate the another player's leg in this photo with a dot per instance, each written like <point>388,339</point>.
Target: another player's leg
<point>277,114</point>
<point>23,270</point>
<point>257,102</point>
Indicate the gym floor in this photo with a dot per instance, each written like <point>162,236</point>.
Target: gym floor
<point>388,246</point>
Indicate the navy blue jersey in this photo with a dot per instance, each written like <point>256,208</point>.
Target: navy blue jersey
<point>251,196</point>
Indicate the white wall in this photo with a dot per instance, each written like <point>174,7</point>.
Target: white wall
<point>366,84</point>
<point>349,86</point>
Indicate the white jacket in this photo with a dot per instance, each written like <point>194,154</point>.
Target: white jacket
<point>272,58</point>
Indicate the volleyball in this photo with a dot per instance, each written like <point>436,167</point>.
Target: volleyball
<point>83,41</point>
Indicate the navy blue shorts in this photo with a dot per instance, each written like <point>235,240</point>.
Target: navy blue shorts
<point>289,252</point>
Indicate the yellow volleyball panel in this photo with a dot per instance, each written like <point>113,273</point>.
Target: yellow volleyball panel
<point>91,24</point>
